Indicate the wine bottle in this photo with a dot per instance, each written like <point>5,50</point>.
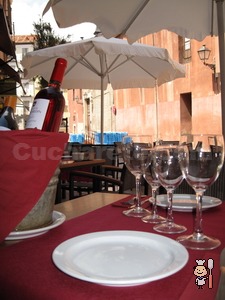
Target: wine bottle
<point>48,106</point>
<point>7,118</point>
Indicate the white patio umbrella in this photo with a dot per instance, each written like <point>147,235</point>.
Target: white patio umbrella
<point>136,18</point>
<point>97,62</point>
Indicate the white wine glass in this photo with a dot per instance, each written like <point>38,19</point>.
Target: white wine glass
<point>135,150</point>
<point>152,179</point>
<point>201,158</point>
<point>168,170</point>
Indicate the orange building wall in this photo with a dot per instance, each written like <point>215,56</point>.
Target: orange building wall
<point>75,111</point>
<point>136,108</point>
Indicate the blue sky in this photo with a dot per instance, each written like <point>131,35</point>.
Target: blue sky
<point>26,12</point>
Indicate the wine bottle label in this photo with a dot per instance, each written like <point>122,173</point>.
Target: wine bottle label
<point>38,113</point>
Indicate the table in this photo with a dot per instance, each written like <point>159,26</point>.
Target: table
<point>70,165</point>
<point>27,271</point>
<point>82,205</point>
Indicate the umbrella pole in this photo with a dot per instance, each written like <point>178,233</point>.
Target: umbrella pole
<point>220,19</point>
<point>156,112</point>
<point>102,110</point>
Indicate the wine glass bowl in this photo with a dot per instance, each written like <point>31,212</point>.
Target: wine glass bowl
<point>135,149</point>
<point>201,159</point>
<point>167,168</point>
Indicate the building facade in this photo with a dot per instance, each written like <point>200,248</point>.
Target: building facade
<point>26,92</point>
<point>8,77</point>
<point>190,104</point>
<point>185,105</point>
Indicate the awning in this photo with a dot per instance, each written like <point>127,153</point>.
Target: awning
<point>6,70</point>
<point>8,75</point>
<point>6,44</point>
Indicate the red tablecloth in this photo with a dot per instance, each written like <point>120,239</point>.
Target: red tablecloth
<point>27,270</point>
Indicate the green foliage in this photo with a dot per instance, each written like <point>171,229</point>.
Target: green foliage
<point>44,37</point>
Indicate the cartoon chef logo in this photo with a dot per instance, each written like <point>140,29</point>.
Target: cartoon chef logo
<point>201,273</point>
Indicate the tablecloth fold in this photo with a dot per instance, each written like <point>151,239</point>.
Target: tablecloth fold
<point>28,160</point>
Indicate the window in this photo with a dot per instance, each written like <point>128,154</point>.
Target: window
<point>24,52</point>
<point>184,50</point>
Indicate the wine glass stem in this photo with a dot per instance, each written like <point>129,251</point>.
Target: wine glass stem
<point>138,191</point>
<point>154,193</point>
<point>170,210</point>
<point>198,217</point>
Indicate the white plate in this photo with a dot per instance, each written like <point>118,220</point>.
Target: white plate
<point>120,258</point>
<point>183,202</point>
<point>57,219</point>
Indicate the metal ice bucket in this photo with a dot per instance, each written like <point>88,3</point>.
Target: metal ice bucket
<point>41,213</point>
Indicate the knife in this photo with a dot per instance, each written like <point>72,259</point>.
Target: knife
<point>221,289</point>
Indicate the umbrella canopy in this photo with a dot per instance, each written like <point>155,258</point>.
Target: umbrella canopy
<point>136,18</point>
<point>96,62</point>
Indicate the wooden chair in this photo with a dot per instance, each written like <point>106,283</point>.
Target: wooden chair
<point>103,183</point>
<point>113,178</point>
<point>84,184</point>
<point>217,189</point>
